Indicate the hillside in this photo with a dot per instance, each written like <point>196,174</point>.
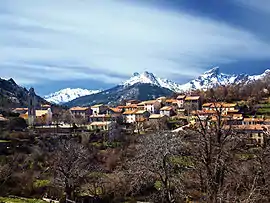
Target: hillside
<point>13,95</point>
<point>115,95</point>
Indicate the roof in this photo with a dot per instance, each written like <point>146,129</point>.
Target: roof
<point>97,105</point>
<point>205,112</point>
<point>140,119</point>
<point>100,116</point>
<point>100,123</point>
<point>148,102</point>
<point>46,105</point>
<point>140,111</point>
<point>39,113</point>
<point>116,110</point>
<point>191,98</point>
<point>254,119</point>
<point>78,108</point>
<point>166,108</point>
<point>131,106</point>
<point>233,111</point>
<point>156,116</point>
<point>130,112</point>
<point>20,109</point>
<point>181,96</point>
<point>219,105</point>
<point>248,127</point>
<point>171,100</point>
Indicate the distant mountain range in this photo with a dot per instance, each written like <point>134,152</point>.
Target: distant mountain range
<point>148,86</point>
<point>68,94</point>
<point>142,86</point>
<point>13,95</point>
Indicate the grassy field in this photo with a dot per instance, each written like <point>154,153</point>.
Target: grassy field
<point>19,200</point>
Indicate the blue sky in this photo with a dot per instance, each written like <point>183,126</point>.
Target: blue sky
<point>94,44</point>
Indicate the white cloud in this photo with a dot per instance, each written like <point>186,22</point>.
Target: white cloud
<point>113,37</point>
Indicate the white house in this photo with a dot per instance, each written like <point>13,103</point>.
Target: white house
<point>99,109</point>
<point>135,116</point>
<point>151,106</point>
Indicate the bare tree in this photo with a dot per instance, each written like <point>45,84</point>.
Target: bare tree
<point>215,146</point>
<point>157,161</point>
<point>71,163</point>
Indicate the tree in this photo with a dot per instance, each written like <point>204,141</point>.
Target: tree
<point>215,145</point>
<point>70,164</point>
<point>17,123</point>
<point>158,163</point>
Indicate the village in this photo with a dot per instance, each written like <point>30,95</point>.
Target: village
<point>182,112</point>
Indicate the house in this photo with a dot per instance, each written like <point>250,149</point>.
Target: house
<point>253,121</point>
<point>106,117</point>
<point>114,111</point>
<point>135,116</point>
<point>99,109</point>
<point>192,103</point>
<point>158,121</point>
<point>151,106</point>
<point>171,102</point>
<point>223,107</point>
<point>42,117</point>
<point>255,132</point>
<point>84,112</point>
<point>167,111</point>
<point>99,125</point>
<point>180,101</point>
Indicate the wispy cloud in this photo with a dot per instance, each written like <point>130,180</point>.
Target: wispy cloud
<point>262,5</point>
<point>108,40</point>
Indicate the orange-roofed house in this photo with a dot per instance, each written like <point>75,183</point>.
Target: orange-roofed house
<point>171,102</point>
<point>114,111</point>
<point>151,106</point>
<point>135,116</point>
<point>255,132</point>
<point>84,112</point>
<point>167,111</point>
<point>42,117</point>
<point>225,108</point>
<point>192,103</point>
<point>100,125</point>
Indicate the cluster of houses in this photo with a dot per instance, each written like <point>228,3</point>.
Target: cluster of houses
<point>101,116</point>
<point>187,107</point>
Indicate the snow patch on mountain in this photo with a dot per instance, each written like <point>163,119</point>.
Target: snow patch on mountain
<point>150,78</point>
<point>209,79</point>
<point>68,94</point>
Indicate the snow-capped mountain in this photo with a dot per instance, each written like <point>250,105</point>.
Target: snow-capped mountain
<point>209,79</point>
<point>68,94</point>
<point>213,78</point>
<point>150,78</point>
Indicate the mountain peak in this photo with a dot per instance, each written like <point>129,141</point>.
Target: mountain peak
<point>12,81</point>
<point>212,71</point>
<point>68,94</point>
